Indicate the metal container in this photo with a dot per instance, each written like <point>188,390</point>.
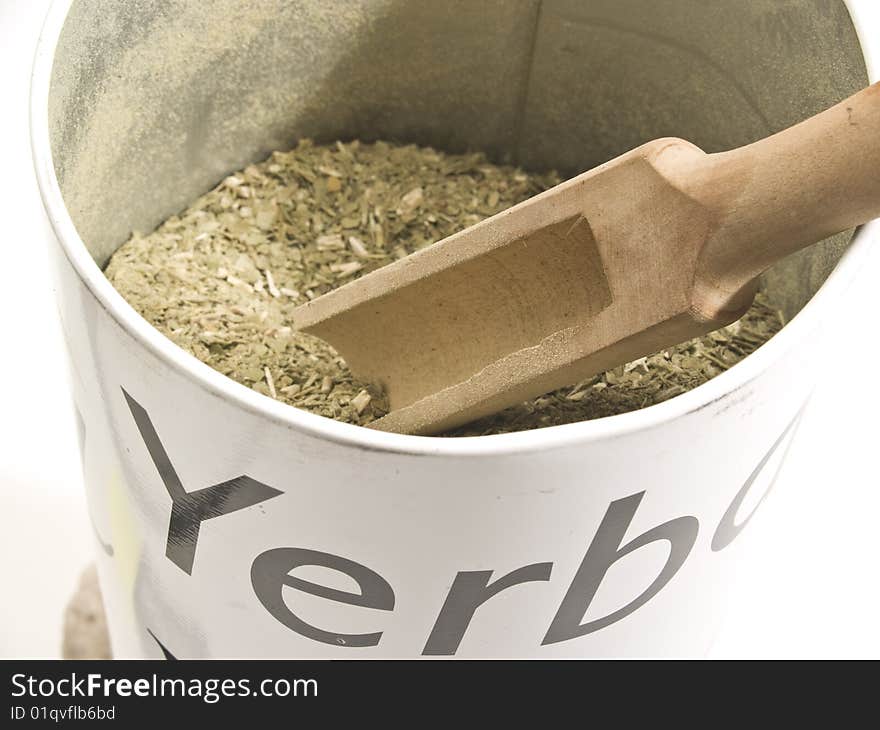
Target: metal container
<point>228,524</point>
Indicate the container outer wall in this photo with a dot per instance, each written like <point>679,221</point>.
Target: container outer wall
<point>417,520</point>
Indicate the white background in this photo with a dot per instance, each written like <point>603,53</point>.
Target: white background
<point>813,589</point>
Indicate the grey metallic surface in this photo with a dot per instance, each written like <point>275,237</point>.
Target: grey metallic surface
<point>153,102</point>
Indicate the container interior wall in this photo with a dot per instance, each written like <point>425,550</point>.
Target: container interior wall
<point>153,102</point>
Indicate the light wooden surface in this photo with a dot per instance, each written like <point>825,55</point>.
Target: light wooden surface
<point>655,247</point>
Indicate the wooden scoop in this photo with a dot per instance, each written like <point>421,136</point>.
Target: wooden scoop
<point>648,250</point>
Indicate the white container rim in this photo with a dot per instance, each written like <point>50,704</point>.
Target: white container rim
<point>542,439</point>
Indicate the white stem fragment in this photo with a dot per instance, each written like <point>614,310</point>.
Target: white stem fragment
<point>361,401</point>
<point>270,281</point>
<point>270,382</point>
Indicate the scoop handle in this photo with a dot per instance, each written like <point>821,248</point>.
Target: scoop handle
<point>787,191</point>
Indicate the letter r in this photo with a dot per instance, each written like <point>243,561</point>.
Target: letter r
<point>469,591</point>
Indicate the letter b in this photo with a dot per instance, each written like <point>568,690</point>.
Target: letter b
<point>604,551</point>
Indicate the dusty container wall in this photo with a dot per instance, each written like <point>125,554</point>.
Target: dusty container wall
<point>230,525</point>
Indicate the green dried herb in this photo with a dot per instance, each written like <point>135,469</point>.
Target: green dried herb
<point>222,278</point>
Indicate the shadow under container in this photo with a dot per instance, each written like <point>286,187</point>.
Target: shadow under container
<point>227,524</point>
